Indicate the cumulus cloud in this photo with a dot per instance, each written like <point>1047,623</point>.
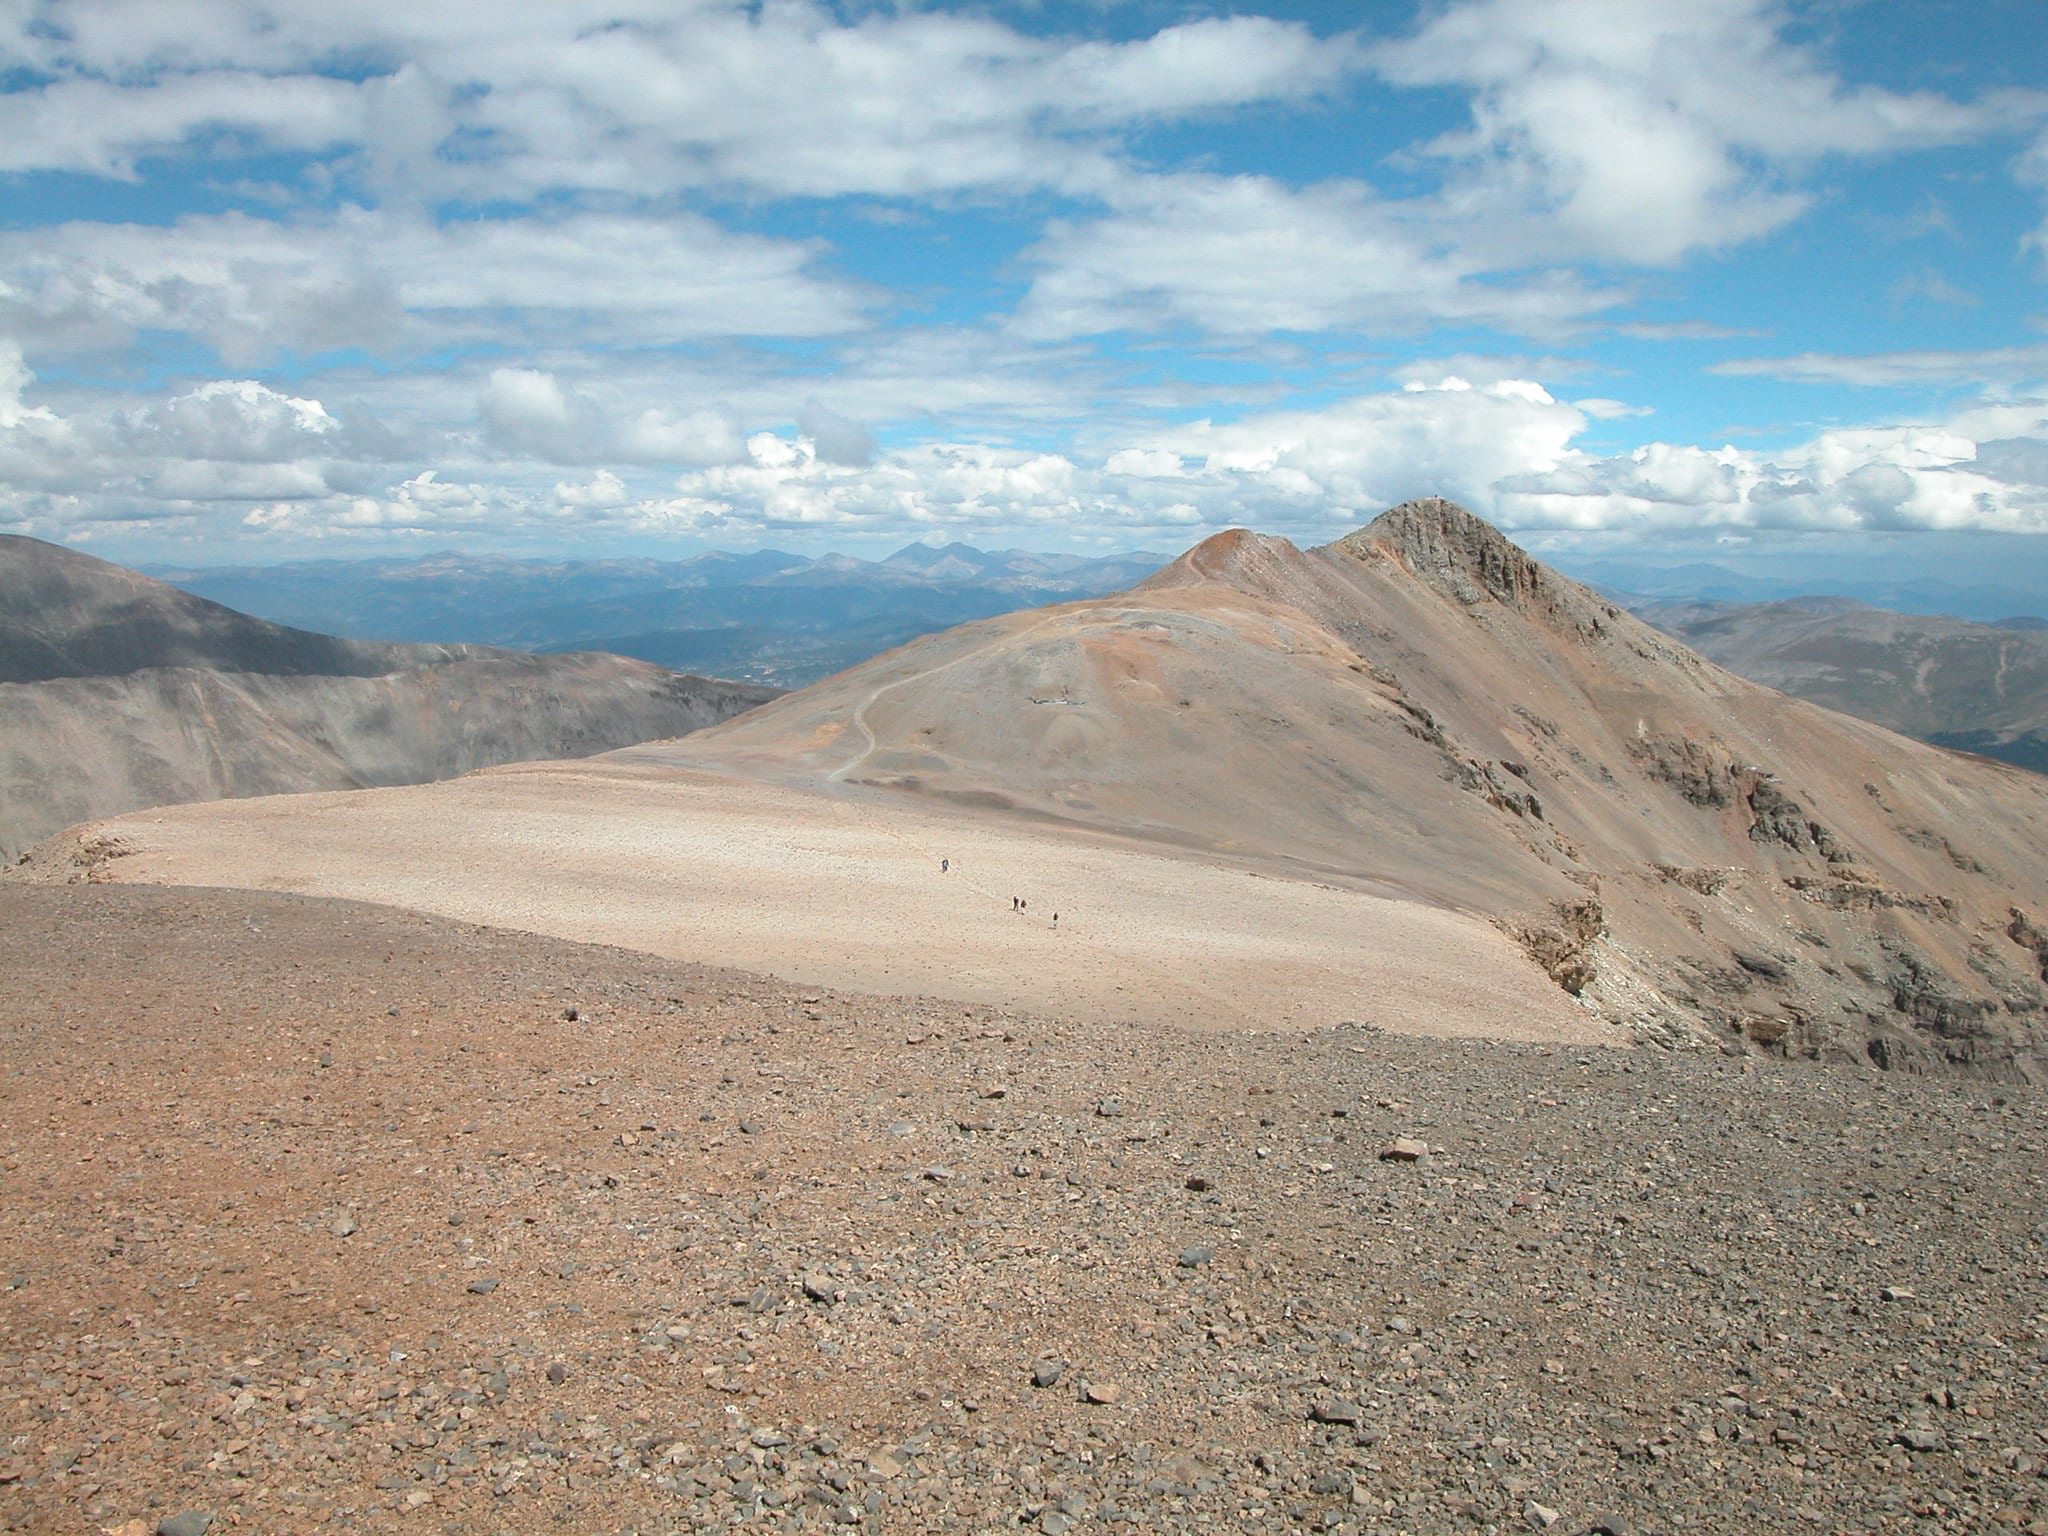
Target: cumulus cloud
<point>836,439</point>
<point>528,413</point>
<point>1646,131</point>
<point>1919,477</point>
<point>237,452</point>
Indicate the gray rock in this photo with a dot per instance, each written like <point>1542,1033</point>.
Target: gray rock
<point>345,1225</point>
<point>1335,1482</point>
<point>483,1287</point>
<point>1047,1373</point>
<point>1195,1258</point>
<point>1926,1440</point>
<point>192,1522</point>
<point>1336,1410</point>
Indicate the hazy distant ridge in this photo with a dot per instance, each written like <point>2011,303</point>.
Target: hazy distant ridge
<point>119,692</point>
<point>764,616</point>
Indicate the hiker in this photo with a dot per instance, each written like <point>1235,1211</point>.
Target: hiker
<point>1055,919</point>
<point>945,865</point>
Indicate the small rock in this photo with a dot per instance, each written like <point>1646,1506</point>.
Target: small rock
<point>345,1225</point>
<point>1335,1410</point>
<point>192,1522</point>
<point>1103,1392</point>
<point>558,1373</point>
<point>1199,1184</point>
<point>569,1015</point>
<point>1195,1258</point>
<point>482,1287</point>
<point>1047,1373</point>
<point>937,1175</point>
<point>1334,1483</point>
<point>823,1288</point>
<point>1110,1109</point>
<point>1925,1440</point>
<point>1897,1293</point>
<point>1404,1149</point>
<point>750,1127</point>
<point>1540,1517</point>
<point>1614,1525</point>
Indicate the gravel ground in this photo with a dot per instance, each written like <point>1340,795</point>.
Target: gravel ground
<point>324,1216</point>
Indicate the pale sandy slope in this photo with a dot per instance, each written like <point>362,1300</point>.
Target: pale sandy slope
<point>827,889</point>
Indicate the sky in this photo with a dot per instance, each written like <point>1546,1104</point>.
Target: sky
<point>655,276</point>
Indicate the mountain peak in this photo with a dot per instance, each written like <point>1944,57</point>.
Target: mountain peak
<point>1236,557</point>
<point>1456,552</point>
<point>1467,559</point>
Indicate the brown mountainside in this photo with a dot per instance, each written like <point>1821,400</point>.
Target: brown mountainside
<point>118,692</point>
<point>1978,687</point>
<point>1421,707</point>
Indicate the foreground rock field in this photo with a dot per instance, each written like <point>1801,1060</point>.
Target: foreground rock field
<point>321,1216</point>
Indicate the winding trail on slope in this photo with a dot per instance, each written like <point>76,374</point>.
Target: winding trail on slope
<point>860,713</point>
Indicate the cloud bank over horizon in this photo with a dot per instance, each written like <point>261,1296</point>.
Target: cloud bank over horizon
<point>582,275</point>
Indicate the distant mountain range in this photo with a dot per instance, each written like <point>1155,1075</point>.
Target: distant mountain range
<point>118,692</point>
<point>1975,687</point>
<point>765,616</point>
<point>1634,584</point>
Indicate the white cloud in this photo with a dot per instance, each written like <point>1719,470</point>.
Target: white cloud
<point>253,288</point>
<point>1916,477</point>
<point>242,421</point>
<point>100,126</point>
<point>526,412</point>
<point>1877,370</point>
<point>787,98</point>
<point>2032,170</point>
<point>238,453</point>
<point>659,436</point>
<point>836,439</point>
<point>1245,255</point>
<point>1930,285</point>
<point>1646,131</point>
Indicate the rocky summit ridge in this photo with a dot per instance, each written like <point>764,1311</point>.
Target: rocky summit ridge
<point>1421,706</point>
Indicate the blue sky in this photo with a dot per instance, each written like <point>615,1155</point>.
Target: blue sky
<point>574,275</point>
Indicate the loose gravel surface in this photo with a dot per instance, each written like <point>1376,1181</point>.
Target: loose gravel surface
<point>321,1216</point>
